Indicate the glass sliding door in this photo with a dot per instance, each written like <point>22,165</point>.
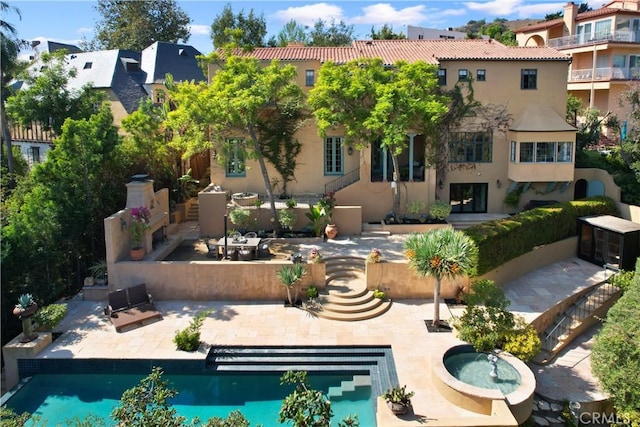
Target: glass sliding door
<point>468,198</point>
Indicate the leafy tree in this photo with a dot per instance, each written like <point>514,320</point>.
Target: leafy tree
<point>631,143</point>
<point>306,407</point>
<point>374,102</point>
<point>138,24</point>
<point>47,99</point>
<point>146,405</point>
<point>146,146</point>
<point>442,253</point>
<point>331,34</point>
<point>386,33</point>
<point>487,323</point>
<point>615,358</point>
<point>574,108</point>
<point>241,99</point>
<point>9,66</point>
<point>292,32</point>
<point>243,30</point>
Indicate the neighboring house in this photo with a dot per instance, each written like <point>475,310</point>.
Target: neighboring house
<point>604,45</point>
<point>536,152</point>
<point>421,33</point>
<point>126,76</point>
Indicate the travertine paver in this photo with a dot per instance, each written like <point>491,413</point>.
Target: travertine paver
<point>90,334</point>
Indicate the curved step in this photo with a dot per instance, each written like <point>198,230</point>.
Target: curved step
<point>371,304</point>
<point>351,317</point>
<point>352,298</point>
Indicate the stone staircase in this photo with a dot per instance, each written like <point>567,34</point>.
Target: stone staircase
<point>576,319</point>
<point>193,212</point>
<point>346,296</point>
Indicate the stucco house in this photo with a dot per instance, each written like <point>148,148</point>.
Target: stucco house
<point>604,45</point>
<point>126,76</point>
<point>534,156</point>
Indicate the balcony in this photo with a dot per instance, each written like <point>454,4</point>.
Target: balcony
<point>579,40</point>
<point>604,74</point>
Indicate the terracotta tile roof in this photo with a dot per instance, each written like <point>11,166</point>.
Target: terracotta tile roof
<point>540,25</point>
<point>431,51</point>
<point>598,12</point>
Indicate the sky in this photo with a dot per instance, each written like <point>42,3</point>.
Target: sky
<point>70,21</point>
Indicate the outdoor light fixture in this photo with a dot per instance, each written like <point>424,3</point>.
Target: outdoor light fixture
<point>498,183</point>
<point>440,184</point>
<point>350,150</point>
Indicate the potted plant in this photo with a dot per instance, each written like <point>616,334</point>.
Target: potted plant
<point>328,202</point>
<point>99,272</point>
<point>415,208</point>
<point>26,308</point>
<point>314,256</point>
<point>139,225</point>
<point>290,275</point>
<point>398,399</point>
<point>287,218</point>
<point>240,217</point>
<point>316,217</point>
<point>374,257</point>
<point>439,210</point>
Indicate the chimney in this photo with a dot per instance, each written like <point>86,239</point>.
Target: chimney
<point>570,15</point>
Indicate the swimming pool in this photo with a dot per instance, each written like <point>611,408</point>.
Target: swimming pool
<point>258,395</point>
<point>230,377</point>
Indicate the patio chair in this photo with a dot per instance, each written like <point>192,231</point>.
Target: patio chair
<point>263,250</point>
<point>213,250</point>
<point>251,235</point>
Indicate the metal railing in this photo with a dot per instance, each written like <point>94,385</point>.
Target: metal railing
<point>579,311</point>
<point>592,39</point>
<point>604,73</point>
<point>342,182</point>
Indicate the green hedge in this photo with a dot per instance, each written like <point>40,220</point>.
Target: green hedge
<point>502,240</point>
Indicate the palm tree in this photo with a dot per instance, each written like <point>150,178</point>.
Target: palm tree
<point>10,45</point>
<point>442,253</point>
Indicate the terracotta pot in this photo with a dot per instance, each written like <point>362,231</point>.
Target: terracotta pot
<point>136,254</point>
<point>25,312</point>
<point>331,230</point>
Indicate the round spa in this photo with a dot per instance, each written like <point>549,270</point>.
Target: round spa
<point>481,382</point>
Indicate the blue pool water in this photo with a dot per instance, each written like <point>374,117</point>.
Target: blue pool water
<point>56,398</point>
<point>474,368</point>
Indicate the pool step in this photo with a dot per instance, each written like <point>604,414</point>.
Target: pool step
<point>348,387</point>
<point>358,360</point>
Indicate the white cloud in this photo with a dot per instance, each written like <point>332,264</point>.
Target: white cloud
<point>496,7</point>
<point>503,8</point>
<point>538,10</point>
<point>84,30</point>
<point>308,14</point>
<point>200,30</point>
<point>384,13</point>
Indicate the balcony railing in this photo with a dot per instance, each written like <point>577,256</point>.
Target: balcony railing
<point>592,39</point>
<point>604,74</point>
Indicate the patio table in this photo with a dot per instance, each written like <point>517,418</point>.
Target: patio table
<point>250,243</point>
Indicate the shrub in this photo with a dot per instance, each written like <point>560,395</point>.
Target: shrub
<point>416,207</point>
<point>312,292</point>
<point>523,342</point>
<point>439,210</point>
<point>623,280</point>
<point>287,218</point>
<point>379,294</point>
<point>240,217</point>
<point>188,339</point>
<point>615,359</point>
<point>505,239</point>
<point>49,316</point>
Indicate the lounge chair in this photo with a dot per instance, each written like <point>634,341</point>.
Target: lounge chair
<point>131,306</point>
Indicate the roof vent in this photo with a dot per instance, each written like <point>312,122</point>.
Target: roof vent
<point>87,65</point>
<point>369,42</point>
<point>182,52</point>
